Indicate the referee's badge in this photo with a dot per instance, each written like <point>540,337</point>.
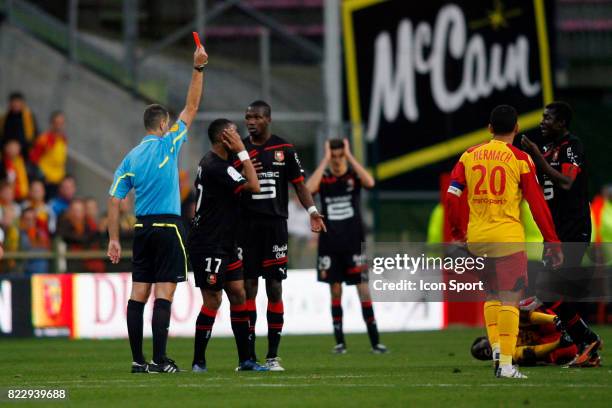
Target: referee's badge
<point>279,155</point>
<point>174,127</point>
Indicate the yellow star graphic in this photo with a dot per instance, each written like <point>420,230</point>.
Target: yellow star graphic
<point>497,16</point>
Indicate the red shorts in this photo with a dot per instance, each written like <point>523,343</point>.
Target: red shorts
<point>506,273</point>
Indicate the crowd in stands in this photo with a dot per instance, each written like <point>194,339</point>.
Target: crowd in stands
<point>39,202</point>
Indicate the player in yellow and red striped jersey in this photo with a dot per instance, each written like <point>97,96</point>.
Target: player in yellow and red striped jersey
<point>496,177</point>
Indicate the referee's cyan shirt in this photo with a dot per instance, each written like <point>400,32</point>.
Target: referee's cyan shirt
<point>151,169</point>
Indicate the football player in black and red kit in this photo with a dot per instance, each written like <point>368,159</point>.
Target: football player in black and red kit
<point>212,240</point>
<point>340,254</point>
<point>263,238</point>
<point>563,175</point>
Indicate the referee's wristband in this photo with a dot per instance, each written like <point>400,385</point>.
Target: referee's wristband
<point>312,210</point>
<point>244,155</point>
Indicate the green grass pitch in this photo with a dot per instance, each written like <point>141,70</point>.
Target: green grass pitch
<point>422,369</point>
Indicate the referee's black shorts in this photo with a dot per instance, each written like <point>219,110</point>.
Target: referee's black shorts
<point>159,251</point>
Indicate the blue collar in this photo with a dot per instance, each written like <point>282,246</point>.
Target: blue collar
<point>149,138</point>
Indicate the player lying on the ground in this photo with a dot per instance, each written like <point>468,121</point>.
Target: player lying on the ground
<point>542,339</point>
<point>340,254</point>
<point>212,241</point>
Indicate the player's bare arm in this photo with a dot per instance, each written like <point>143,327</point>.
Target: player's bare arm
<point>565,182</point>
<point>314,181</point>
<point>316,219</point>
<point>231,140</point>
<point>194,95</point>
<point>114,247</point>
<point>366,178</point>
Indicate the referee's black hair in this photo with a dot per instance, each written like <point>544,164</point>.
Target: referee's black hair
<point>153,115</point>
<point>503,119</point>
<point>562,111</point>
<point>216,128</point>
<point>263,105</point>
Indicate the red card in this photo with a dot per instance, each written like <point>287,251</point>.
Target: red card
<point>196,38</point>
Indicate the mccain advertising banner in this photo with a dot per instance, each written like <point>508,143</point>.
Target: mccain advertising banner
<point>423,76</point>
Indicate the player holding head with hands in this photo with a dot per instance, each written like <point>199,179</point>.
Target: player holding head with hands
<point>338,180</point>
<point>212,240</point>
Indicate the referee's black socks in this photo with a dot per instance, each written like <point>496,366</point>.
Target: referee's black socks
<point>135,311</point>
<point>160,324</point>
<point>240,326</point>
<point>275,316</point>
<point>368,316</point>
<point>203,330</point>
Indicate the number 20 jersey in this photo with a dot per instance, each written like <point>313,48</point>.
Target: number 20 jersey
<point>340,206</point>
<point>281,166</point>
<point>496,176</point>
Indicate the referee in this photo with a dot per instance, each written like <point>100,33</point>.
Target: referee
<point>159,256</point>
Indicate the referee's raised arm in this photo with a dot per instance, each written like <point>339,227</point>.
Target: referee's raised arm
<point>200,59</point>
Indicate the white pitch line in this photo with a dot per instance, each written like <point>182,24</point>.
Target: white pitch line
<point>131,384</point>
<point>206,377</point>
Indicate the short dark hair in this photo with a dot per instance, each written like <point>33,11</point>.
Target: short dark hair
<point>55,114</point>
<point>562,111</point>
<point>503,119</point>
<point>217,127</point>
<point>263,105</point>
<point>153,115</point>
<point>336,144</point>
<point>27,210</point>
<point>16,95</point>
<point>68,177</point>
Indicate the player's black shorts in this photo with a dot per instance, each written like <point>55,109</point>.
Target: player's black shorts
<point>263,246</point>
<point>159,250</point>
<point>212,271</point>
<point>337,268</point>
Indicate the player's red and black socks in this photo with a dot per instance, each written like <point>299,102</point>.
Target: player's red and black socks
<point>368,316</point>
<point>578,330</point>
<point>160,324</point>
<point>336,311</point>
<point>275,316</point>
<point>251,310</point>
<point>203,330</point>
<point>135,310</point>
<point>240,326</point>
